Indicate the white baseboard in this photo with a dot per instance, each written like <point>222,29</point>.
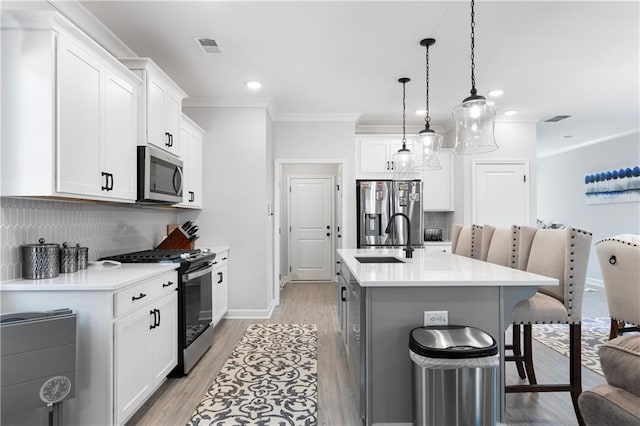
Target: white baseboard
<point>283,281</point>
<point>594,282</point>
<point>251,313</point>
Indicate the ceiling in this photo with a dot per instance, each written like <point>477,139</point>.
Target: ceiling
<point>321,59</point>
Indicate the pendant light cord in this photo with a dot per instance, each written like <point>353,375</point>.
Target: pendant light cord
<point>427,117</point>
<point>473,45</point>
<point>404,138</point>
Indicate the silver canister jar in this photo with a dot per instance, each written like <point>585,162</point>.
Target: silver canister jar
<point>68,259</point>
<point>83,257</point>
<point>40,260</point>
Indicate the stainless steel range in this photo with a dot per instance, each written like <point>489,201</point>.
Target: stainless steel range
<point>195,333</point>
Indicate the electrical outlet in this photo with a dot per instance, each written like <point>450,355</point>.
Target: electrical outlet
<point>436,317</point>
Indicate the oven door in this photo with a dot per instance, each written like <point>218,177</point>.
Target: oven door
<point>197,333</point>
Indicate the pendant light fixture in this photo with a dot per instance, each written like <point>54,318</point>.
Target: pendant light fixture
<point>403,160</point>
<point>429,142</point>
<point>474,117</point>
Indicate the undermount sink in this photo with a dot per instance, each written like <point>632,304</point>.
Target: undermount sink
<point>378,259</point>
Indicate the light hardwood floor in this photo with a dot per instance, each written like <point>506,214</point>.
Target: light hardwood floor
<point>316,303</point>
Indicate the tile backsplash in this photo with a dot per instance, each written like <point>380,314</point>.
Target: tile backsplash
<point>105,228</point>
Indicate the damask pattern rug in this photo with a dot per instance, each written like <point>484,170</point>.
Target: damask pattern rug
<point>270,378</point>
<point>595,332</point>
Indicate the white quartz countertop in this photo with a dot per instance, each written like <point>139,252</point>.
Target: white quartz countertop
<point>95,277</point>
<point>434,269</point>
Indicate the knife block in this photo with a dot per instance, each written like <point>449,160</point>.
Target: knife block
<point>176,240</point>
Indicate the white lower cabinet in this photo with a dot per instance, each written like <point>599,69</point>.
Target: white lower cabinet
<point>145,343</point>
<point>220,287</point>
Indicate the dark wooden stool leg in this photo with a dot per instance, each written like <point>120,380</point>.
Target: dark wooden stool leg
<point>517,353</point>
<point>528,355</point>
<point>575,367</point>
<point>613,331</point>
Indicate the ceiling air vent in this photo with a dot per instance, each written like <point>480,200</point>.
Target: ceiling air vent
<point>556,118</point>
<point>207,45</point>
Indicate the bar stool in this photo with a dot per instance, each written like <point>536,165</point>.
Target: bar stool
<point>619,259</point>
<point>562,254</point>
<point>466,240</point>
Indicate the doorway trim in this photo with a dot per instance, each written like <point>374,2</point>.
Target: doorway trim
<point>277,194</point>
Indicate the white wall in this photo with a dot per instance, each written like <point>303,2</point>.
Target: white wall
<point>237,176</point>
<point>516,141</point>
<point>561,191</point>
<point>322,140</point>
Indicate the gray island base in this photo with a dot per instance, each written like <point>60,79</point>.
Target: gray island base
<point>385,301</point>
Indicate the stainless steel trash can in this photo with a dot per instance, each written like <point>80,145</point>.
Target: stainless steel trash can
<point>455,376</point>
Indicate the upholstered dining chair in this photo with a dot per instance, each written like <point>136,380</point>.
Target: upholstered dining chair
<point>466,240</point>
<point>619,259</point>
<point>562,254</point>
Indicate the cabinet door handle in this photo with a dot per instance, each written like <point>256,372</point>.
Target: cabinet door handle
<point>110,180</point>
<point>105,187</point>
<point>219,278</point>
<point>393,165</point>
<point>168,135</point>
<point>224,258</point>
<point>343,295</point>
<point>168,284</point>
<point>140,296</point>
<point>192,197</point>
<point>158,311</point>
<point>152,326</point>
<point>387,165</point>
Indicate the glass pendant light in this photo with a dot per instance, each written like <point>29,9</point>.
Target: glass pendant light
<point>403,160</point>
<point>474,117</point>
<point>429,142</point>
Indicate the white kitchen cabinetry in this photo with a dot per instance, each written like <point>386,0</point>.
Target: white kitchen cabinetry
<point>437,185</point>
<point>220,286</point>
<point>192,143</point>
<point>145,342</point>
<point>127,338</point>
<point>70,129</point>
<point>375,155</point>
<point>159,107</point>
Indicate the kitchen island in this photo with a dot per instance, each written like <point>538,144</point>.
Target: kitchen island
<point>384,301</point>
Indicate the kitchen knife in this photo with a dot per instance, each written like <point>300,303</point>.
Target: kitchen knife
<point>193,238</point>
<point>186,225</point>
<point>192,231</point>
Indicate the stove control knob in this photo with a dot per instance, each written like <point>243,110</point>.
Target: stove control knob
<point>185,256</point>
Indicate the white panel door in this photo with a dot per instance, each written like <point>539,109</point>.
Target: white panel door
<point>500,193</point>
<point>311,229</point>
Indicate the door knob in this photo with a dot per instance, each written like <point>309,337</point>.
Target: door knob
<point>328,227</point>
<point>328,234</point>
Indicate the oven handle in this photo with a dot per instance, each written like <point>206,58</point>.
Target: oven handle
<point>197,274</point>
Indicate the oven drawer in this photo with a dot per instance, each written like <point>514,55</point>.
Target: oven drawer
<point>132,298</point>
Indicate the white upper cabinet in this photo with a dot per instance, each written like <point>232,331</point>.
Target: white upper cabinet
<point>69,124</point>
<point>192,143</point>
<point>160,106</point>
<point>437,185</point>
<point>375,155</point>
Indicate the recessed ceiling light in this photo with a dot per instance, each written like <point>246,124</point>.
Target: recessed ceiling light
<point>496,93</point>
<point>566,136</point>
<point>254,85</point>
<point>421,112</point>
<point>511,112</point>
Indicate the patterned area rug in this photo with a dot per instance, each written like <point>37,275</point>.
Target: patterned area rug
<point>269,379</point>
<point>595,332</point>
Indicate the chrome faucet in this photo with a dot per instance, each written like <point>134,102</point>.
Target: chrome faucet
<point>407,250</point>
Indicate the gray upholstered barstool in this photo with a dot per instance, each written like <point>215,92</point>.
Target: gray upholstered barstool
<point>619,259</point>
<point>562,254</point>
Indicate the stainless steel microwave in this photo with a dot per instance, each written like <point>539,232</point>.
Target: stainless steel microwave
<point>160,176</point>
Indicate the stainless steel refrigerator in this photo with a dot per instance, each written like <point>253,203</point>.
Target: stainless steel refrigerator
<point>377,201</point>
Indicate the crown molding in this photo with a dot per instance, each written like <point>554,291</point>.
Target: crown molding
<point>341,117</point>
<point>589,143</point>
<point>87,22</point>
<point>231,102</point>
